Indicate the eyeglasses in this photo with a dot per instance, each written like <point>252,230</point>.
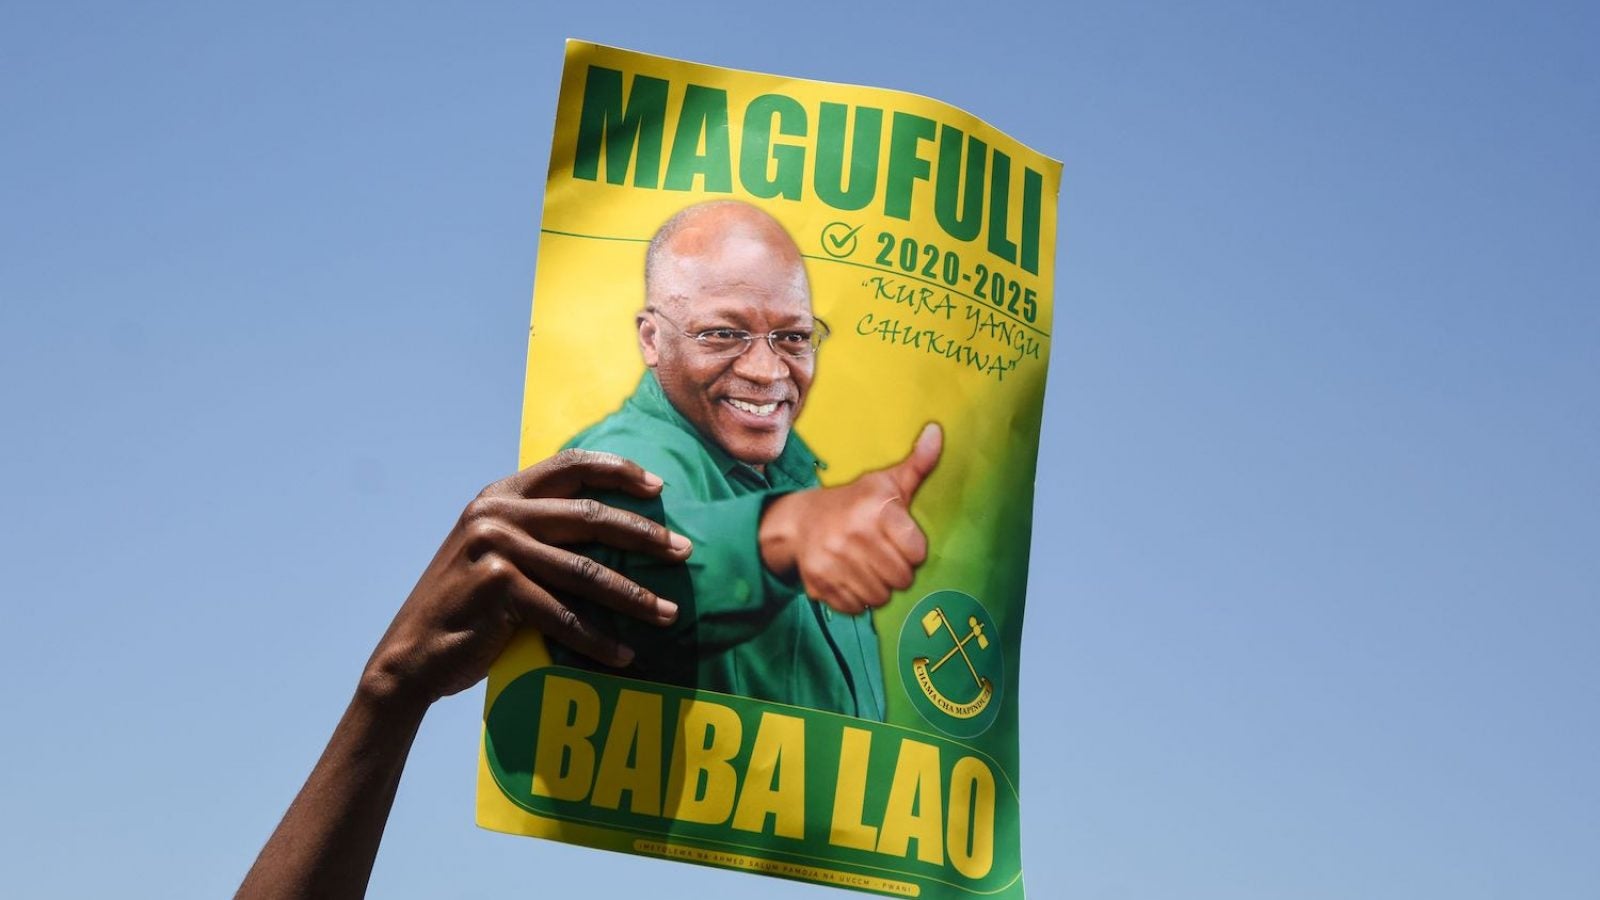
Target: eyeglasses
<point>725,343</point>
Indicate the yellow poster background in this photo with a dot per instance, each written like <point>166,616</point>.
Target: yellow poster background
<point>871,395</point>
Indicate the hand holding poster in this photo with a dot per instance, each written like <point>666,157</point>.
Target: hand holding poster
<point>821,315</point>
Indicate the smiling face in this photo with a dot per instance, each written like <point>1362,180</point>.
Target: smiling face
<point>728,265</point>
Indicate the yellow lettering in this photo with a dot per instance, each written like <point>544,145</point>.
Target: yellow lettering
<point>847,830</point>
<point>970,834</point>
<point>563,758</point>
<point>635,727</point>
<point>914,810</point>
<point>708,737</point>
<point>780,744</point>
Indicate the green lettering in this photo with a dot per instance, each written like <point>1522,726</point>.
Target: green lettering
<point>606,121</point>
<point>828,180</point>
<point>702,120</point>
<point>905,166</point>
<point>999,208</point>
<point>785,174</point>
<point>1032,200</point>
<point>963,223</point>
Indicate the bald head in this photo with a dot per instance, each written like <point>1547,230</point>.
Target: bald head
<point>693,246</point>
<point>727,268</point>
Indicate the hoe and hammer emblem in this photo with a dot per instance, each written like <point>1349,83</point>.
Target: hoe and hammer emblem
<point>933,623</point>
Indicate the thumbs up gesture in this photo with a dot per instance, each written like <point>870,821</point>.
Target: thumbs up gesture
<point>853,545</point>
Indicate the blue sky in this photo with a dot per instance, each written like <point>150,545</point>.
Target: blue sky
<point>1316,595</point>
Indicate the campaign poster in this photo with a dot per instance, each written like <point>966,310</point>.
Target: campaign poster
<point>821,314</point>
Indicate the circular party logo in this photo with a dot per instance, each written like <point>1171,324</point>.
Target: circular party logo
<point>950,663</point>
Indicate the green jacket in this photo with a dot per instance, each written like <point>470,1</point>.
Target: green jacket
<point>740,629</point>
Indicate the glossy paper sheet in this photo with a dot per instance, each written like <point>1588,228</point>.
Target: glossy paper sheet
<point>764,729</point>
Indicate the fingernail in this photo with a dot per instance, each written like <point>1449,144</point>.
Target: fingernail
<point>651,479</point>
<point>679,542</point>
<point>624,656</point>
<point>666,610</point>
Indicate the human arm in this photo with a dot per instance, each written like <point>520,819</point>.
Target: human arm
<point>725,595</point>
<point>501,568</point>
<point>759,552</point>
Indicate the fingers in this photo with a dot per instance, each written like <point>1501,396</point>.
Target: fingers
<point>896,571</point>
<point>571,573</point>
<point>837,594</point>
<point>912,471</point>
<point>539,609</point>
<point>571,471</point>
<point>878,576</point>
<point>911,545</point>
<point>854,583</point>
<point>865,544</point>
<point>585,521</point>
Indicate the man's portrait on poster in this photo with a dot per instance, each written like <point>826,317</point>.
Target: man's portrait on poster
<point>776,599</point>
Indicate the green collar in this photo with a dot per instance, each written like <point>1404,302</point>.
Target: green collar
<point>796,463</point>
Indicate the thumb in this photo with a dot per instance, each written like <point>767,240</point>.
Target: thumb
<point>909,474</point>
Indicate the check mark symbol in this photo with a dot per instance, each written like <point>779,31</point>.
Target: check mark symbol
<point>839,239</point>
<point>846,238</point>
